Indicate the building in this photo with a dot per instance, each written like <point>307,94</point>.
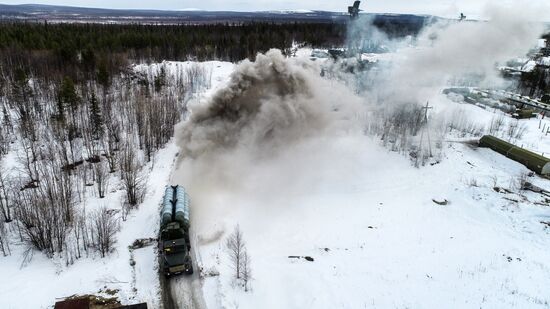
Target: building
<point>92,302</point>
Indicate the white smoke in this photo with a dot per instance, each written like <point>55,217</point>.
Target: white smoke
<point>255,136</point>
<point>446,53</point>
<point>464,48</point>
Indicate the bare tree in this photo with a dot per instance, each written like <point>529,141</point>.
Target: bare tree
<point>515,130</point>
<point>130,172</point>
<point>238,256</point>
<point>246,271</point>
<point>5,204</point>
<point>497,123</point>
<point>4,141</point>
<point>28,157</point>
<point>520,181</point>
<point>41,222</point>
<point>198,76</point>
<point>4,245</point>
<point>104,228</point>
<point>45,214</point>
<point>101,178</point>
<point>81,224</point>
<point>111,154</point>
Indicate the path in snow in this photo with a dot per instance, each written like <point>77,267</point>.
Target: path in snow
<point>184,292</point>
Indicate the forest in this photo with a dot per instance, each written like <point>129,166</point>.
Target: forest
<point>67,48</point>
<point>64,48</point>
<point>79,121</point>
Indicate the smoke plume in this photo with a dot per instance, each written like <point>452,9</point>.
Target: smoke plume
<point>452,53</point>
<point>273,129</point>
<point>262,136</point>
<point>267,104</point>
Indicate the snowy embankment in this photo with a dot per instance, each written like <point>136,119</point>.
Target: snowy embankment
<point>377,238</point>
<point>369,221</point>
<point>40,281</point>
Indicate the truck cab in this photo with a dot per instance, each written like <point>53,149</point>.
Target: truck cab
<point>176,258</point>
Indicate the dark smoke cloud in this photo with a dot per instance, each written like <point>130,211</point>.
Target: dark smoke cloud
<point>262,137</point>
<point>269,103</point>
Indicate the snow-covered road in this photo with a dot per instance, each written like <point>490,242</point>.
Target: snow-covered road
<point>184,292</point>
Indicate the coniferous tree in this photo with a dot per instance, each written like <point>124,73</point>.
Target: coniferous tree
<point>21,96</point>
<point>96,118</point>
<point>103,74</point>
<point>160,80</point>
<point>67,93</point>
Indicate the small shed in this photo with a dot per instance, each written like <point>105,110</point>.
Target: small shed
<point>136,306</point>
<point>77,303</point>
<point>533,161</point>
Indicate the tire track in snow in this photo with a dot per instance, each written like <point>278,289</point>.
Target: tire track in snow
<point>186,291</point>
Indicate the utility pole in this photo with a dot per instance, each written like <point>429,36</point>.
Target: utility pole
<point>425,128</point>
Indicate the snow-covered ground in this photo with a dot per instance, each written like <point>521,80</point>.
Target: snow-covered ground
<point>51,280</point>
<point>365,215</point>
<point>378,239</point>
<point>368,219</point>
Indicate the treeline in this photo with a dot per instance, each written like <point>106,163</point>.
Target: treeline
<point>64,47</point>
<point>535,83</point>
<point>81,48</point>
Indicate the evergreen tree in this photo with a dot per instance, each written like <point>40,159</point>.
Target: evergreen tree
<point>68,98</point>
<point>96,118</point>
<point>103,74</point>
<point>21,95</point>
<point>67,94</point>
<point>160,80</point>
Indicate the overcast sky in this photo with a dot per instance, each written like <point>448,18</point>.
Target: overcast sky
<point>436,7</point>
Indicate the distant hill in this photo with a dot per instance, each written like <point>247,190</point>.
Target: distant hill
<point>51,13</point>
<point>35,12</point>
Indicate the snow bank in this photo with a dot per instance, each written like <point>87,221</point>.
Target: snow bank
<point>38,283</point>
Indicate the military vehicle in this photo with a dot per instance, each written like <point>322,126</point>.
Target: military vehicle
<point>174,243</point>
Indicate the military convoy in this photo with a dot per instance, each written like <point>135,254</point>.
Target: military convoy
<point>174,242</point>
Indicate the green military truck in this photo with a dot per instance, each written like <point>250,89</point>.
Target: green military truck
<point>174,243</point>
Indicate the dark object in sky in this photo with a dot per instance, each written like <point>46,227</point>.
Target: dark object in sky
<point>354,10</point>
<point>462,17</point>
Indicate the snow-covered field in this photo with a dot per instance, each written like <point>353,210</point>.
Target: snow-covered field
<point>368,219</point>
<point>364,214</point>
<point>378,240</point>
